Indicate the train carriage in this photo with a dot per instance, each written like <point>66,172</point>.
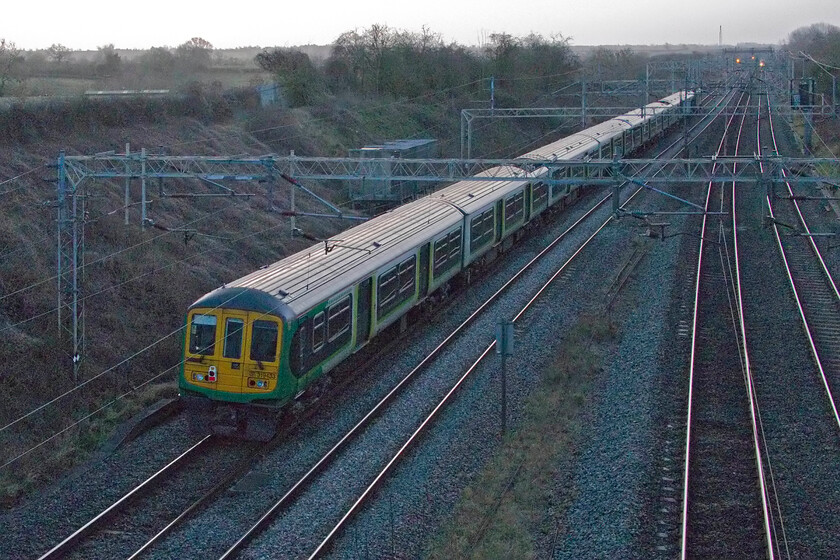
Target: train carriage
<point>254,344</point>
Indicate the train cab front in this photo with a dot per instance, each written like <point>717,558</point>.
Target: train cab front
<point>232,380</point>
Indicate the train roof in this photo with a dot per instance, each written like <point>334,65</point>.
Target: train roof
<point>474,194</point>
<point>577,144</point>
<point>308,277</point>
<point>302,280</point>
<point>245,299</point>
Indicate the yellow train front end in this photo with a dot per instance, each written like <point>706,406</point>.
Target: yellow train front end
<point>234,379</point>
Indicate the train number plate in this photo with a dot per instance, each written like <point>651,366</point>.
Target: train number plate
<point>258,374</point>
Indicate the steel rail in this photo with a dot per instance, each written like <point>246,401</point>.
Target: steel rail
<point>799,304</point>
<point>684,543</point>
<point>748,376</point>
<point>239,469</point>
<point>64,546</point>
<point>297,486</point>
<point>427,421</point>
<point>371,414</point>
<point>424,425</point>
<point>745,362</point>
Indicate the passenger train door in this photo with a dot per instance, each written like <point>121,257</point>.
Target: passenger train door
<point>262,355</point>
<point>363,313</point>
<point>423,271</point>
<point>500,220</point>
<point>229,363</point>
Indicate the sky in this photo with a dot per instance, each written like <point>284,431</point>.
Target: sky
<point>88,24</point>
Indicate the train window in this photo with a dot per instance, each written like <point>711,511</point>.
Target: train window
<point>514,209</point>
<point>338,320</point>
<point>447,252</point>
<point>264,341</point>
<point>481,229</point>
<point>203,335</point>
<point>396,286</point>
<point>387,287</point>
<point>540,195</point>
<point>407,276</point>
<point>318,336</point>
<point>233,338</point>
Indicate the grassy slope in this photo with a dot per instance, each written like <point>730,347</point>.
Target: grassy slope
<point>139,282</point>
<point>519,494</point>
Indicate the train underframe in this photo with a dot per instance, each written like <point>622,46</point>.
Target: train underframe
<point>249,421</point>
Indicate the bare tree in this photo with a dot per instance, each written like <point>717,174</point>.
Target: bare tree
<point>110,61</point>
<point>195,53</point>
<point>9,57</point>
<point>59,53</point>
<point>294,69</point>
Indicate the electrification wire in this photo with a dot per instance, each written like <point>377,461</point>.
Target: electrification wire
<point>100,374</point>
<point>87,381</point>
<point>140,276</point>
<point>115,253</point>
<point>22,248</point>
<point>87,417</point>
<point>108,404</point>
<point>18,177</point>
<point>24,174</point>
<point>817,62</point>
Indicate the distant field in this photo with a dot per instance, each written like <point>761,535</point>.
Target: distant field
<point>46,86</point>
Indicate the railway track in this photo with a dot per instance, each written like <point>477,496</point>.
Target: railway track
<point>791,314</point>
<point>274,516</point>
<point>725,510</point>
<point>118,522</point>
<point>81,540</point>
<point>139,510</point>
<point>813,287</point>
<point>109,523</point>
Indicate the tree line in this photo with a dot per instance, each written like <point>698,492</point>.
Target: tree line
<point>819,42</point>
<point>383,61</point>
<point>59,61</point>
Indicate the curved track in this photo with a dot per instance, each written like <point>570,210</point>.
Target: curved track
<point>421,426</point>
<point>799,411</point>
<point>725,510</point>
<point>814,289</point>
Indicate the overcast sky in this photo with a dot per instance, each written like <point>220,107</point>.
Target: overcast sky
<point>87,24</point>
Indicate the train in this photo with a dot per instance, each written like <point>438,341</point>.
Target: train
<point>255,344</point>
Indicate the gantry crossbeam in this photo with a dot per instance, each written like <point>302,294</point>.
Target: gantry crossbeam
<point>593,172</point>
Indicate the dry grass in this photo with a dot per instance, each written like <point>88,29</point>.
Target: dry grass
<point>500,514</point>
<point>142,291</point>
